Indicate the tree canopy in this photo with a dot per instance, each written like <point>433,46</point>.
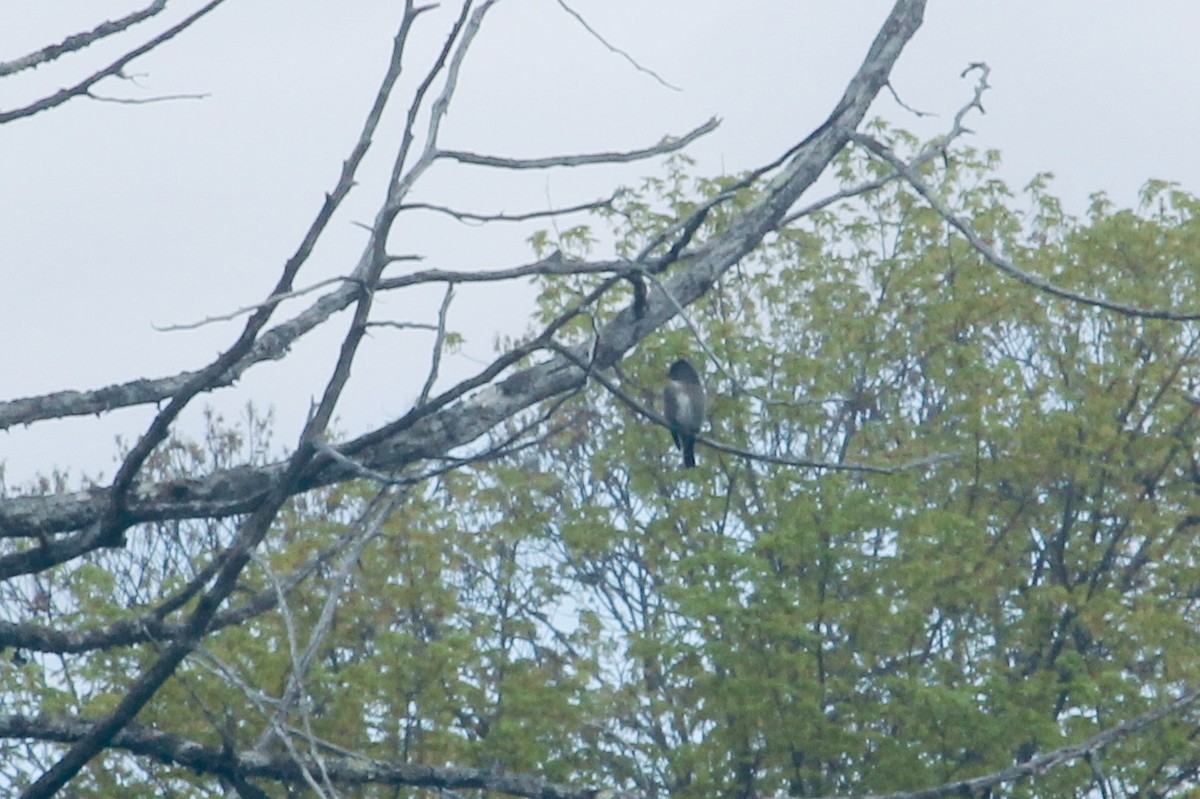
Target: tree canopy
<point>940,540</point>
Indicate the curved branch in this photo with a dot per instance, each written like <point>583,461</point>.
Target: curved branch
<point>1000,262</point>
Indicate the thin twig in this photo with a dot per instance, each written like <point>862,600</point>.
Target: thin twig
<point>978,786</point>
<point>616,49</point>
<point>295,685</point>
<point>895,96</point>
<point>274,299</point>
<point>368,528</point>
<point>357,468</point>
<point>940,147</point>
<point>1000,262</point>
<point>438,345</point>
<point>161,98</point>
<point>405,325</point>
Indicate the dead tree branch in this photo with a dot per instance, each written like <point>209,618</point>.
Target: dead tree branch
<point>114,69</point>
<point>79,41</point>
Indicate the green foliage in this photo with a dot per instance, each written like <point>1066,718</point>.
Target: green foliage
<point>807,631</point>
<point>587,611</point>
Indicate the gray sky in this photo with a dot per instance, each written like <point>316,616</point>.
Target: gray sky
<point>117,218</point>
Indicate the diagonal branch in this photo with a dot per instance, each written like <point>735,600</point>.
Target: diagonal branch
<point>113,69</point>
<point>614,48</point>
<point>271,345</point>
<point>979,786</point>
<point>252,531</point>
<point>152,626</point>
<point>1000,262</point>
<point>473,407</point>
<point>79,41</point>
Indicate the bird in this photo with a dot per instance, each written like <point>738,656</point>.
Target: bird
<point>683,404</point>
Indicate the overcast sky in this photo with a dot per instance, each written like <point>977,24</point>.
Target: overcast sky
<point>118,218</point>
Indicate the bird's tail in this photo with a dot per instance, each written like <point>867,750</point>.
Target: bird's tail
<point>689,453</point>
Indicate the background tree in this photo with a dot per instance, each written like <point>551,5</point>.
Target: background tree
<point>839,632</point>
<point>934,538</point>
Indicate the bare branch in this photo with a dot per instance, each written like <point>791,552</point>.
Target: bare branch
<point>356,468</point>
<point>1003,264</point>
<point>438,345</point>
<point>161,98</point>
<point>892,90</point>
<point>684,230</point>
<point>550,266</point>
<point>270,345</point>
<point>669,145</point>
<point>79,41</point>
<point>405,325</point>
<point>463,31</point>
<point>922,462</point>
<point>246,351</point>
<point>251,531</point>
<point>108,529</point>
<point>1042,763</point>
<point>466,216</point>
<point>274,299</point>
<point>283,768</point>
<point>367,529</point>
<point>454,419</point>
<point>938,148</point>
<point>616,49</point>
<point>83,87</point>
<point>168,748</point>
<point>151,626</point>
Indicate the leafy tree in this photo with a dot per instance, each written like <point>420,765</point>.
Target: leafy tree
<point>585,610</point>
<point>940,536</point>
<point>1026,584</point>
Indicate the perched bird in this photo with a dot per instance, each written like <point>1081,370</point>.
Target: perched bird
<point>683,403</point>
